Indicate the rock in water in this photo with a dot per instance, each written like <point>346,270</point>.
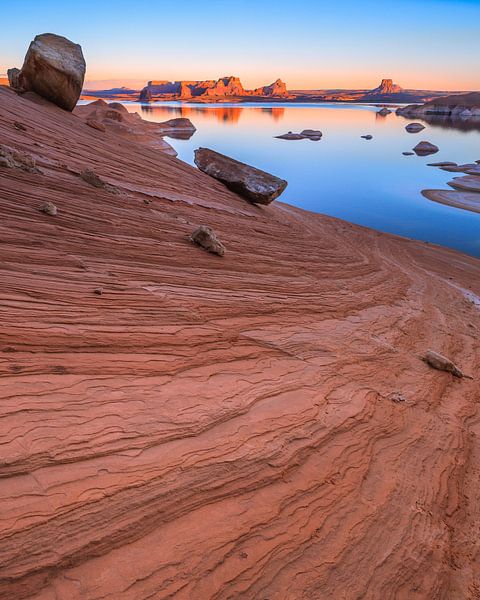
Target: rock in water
<point>205,237</point>
<point>253,184</point>
<point>367,137</point>
<point>425,148</point>
<point>414,127</point>
<point>54,68</point>
<point>437,361</point>
<point>384,112</point>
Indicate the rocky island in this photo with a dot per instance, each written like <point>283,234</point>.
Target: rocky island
<point>203,397</point>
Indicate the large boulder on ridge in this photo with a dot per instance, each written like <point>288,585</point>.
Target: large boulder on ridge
<point>253,184</point>
<point>54,68</point>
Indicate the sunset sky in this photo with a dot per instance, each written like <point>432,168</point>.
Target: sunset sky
<point>429,44</point>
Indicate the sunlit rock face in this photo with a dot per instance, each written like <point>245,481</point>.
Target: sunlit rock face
<point>54,68</point>
<point>229,86</point>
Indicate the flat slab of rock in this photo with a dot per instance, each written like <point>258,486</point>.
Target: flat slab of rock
<point>474,170</point>
<point>414,127</point>
<point>441,363</point>
<point>367,137</point>
<point>469,183</point>
<point>408,153</point>
<point>310,134</point>
<point>253,184</point>
<point>205,236</point>
<point>458,168</point>
<point>425,148</point>
<point>458,199</point>
<point>290,136</point>
<point>54,68</point>
<point>445,163</point>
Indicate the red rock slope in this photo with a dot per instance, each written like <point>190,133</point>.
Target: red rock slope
<point>213,428</point>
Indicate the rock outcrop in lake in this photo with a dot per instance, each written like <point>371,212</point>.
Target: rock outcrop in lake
<point>457,106</point>
<point>261,425</point>
<point>54,68</point>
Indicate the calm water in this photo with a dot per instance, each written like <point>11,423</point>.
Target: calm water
<point>367,182</point>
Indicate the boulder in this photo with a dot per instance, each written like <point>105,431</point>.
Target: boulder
<point>253,184</point>
<point>54,68</point>
<point>414,127</point>
<point>437,361</point>
<point>205,237</point>
<point>12,75</point>
<point>425,148</point>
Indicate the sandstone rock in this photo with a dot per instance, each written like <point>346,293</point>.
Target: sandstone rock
<point>384,112</point>
<point>414,127</point>
<point>438,361</point>
<point>93,179</point>
<point>469,183</point>
<point>49,208</point>
<point>15,159</point>
<point>255,185</point>
<point>313,134</point>
<point>98,291</point>
<point>54,68</point>
<point>277,89</point>
<point>95,125</point>
<point>444,163</point>
<point>457,198</point>
<point>290,136</point>
<point>205,237</point>
<point>12,75</point>
<point>114,115</point>
<point>425,148</point>
<point>396,397</point>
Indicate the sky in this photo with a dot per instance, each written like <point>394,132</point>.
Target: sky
<point>310,44</point>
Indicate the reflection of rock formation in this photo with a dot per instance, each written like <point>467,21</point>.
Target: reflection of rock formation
<point>276,112</point>
<point>224,114</point>
<point>461,111</point>
<point>224,87</point>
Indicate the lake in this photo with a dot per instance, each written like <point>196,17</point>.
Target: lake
<point>366,182</point>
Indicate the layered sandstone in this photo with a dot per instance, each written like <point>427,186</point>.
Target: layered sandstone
<point>225,87</point>
<point>176,424</point>
<point>456,106</point>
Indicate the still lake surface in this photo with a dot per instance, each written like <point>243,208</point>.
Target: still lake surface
<point>366,182</point>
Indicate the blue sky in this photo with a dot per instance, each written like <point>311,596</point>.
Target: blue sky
<point>431,44</point>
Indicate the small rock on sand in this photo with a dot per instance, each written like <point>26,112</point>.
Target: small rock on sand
<point>441,363</point>
<point>49,208</point>
<point>206,237</point>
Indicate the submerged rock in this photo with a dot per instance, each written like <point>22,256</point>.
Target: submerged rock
<point>425,148</point>
<point>440,362</point>
<point>206,237</point>
<point>414,127</point>
<point>54,68</point>
<point>255,185</point>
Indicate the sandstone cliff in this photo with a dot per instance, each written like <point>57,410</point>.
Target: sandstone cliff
<point>177,424</point>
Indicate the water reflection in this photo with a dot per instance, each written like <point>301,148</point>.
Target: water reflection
<point>446,122</point>
<point>217,112</point>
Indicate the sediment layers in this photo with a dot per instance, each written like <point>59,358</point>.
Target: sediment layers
<point>223,426</point>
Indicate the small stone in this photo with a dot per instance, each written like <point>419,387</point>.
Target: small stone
<point>49,208</point>
<point>98,291</point>
<point>408,153</point>
<point>367,137</point>
<point>396,397</point>
<point>92,178</point>
<point>425,148</point>
<point>19,126</point>
<point>440,362</point>
<point>205,237</point>
<point>384,112</point>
